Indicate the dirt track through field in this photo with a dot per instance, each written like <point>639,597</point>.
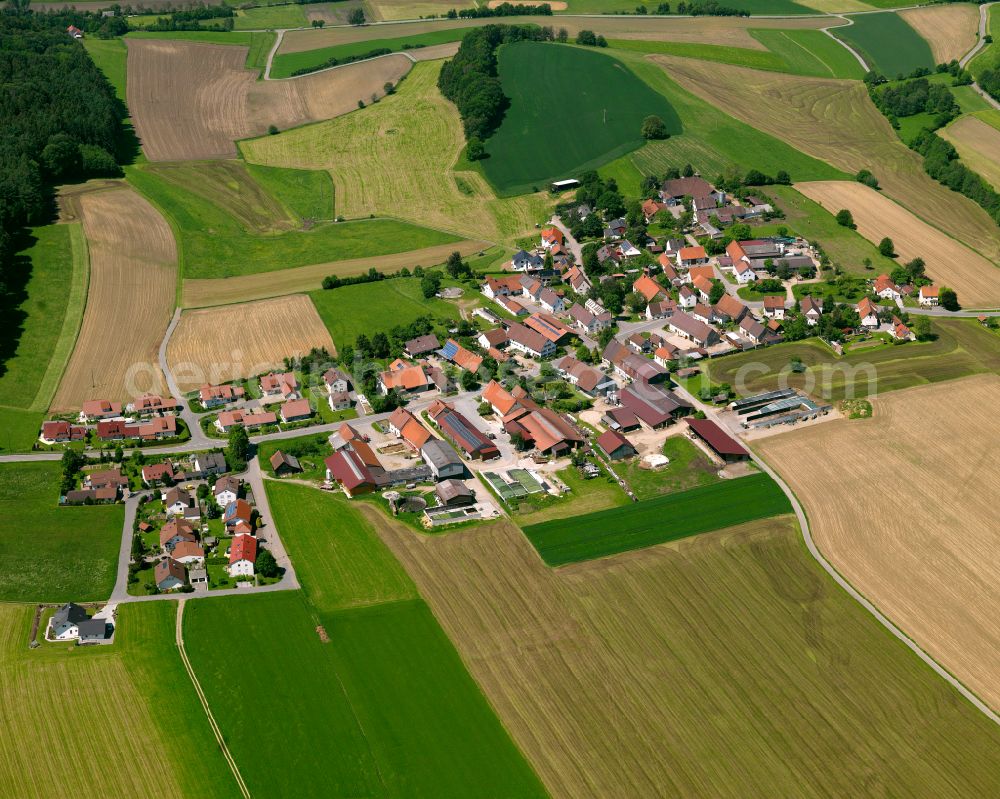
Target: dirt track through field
<point>950,29</point>
<point>234,341</point>
<point>133,276</point>
<point>191,100</point>
<point>834,120</point>
<point>641,676</point>
<point>976,280</point>
<point>221,291</point>
<point>728,31</point>
<point>904,506</point>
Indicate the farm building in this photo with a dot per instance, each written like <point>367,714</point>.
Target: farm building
<point>543,428</point>
<point>352,473</point>
<point>405,425</point>
<point>442,459</point>
<point>621,419</point>
<point>454,494</point>
<point>655,407</point>
<point>421,345</point>
<point>285,464</point>
<point>462,432</point>
<point>460,356</point>
<point>718,440</point>
<point>616,446</point>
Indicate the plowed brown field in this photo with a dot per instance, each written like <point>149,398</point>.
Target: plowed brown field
<point>723,665</point>
<point>220,344</point>
<point>834,120</point>
<point>904,505</point>
<point>950,30</point>
<point>976,280</point>
<point>133,276</point>
<point>191,100</point>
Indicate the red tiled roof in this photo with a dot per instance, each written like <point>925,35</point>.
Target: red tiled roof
<point>244,547</point>
<point>717,438</point>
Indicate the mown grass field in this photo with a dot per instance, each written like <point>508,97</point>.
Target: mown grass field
<point>385,706</point>
<point>48,553</point>
<point>640,675</point>
<point>284,16</point>
<point>535,146</point>
<point>847,248</point>
<point>656,521</point>
<point>989,56</point>
<point>962,348</point>
<point>417,127</point>
<point>228,225</point>
<point>109,55</point>
<point>87,708</point>
<point>887,43</point>
<point>809,52</point>
<point>712,141</point>
<point>41,320</point>
<point>285,64</point>
<point>741,56</point>
<point>350,310</point>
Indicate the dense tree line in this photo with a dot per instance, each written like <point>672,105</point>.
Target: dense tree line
<point>471,82</point>
<point>989,80</point>
<point>502,10</point>
<point>918,96</point>
<point>61,119</point>
<point>193,19</point>
<point>336,62</point>
<point>707,9</point>
<point>941,162</point>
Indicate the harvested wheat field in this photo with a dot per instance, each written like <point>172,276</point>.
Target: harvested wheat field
<point>133,278</point>
<point>978,144</point>
<point>950,30</point>
<point>729,31</point>
<point>834,120</point>
<point>976,280</point>
<point>914,528</point>
<point>74,724</point>
<point>223,291</point>
<point>639,675</point>
<point>191,100</point>
<point>416,126</point>
<point>222,344</point>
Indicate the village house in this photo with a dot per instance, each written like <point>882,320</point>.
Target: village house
<point>295,410</point>
<point>691,256</point>
<point>531,343</point>
<point>616,446</point>
<point>886,289</point>
<point>752,329</point>
<point>251,420</point>
<point>461,432</point>
<point>403,377</point>
<point>728,307</point>
<point>592,382</point>
<point>175,531</point>
<point>811,309</point>
<point>279,387</point>
<point>70,622</point>
<point>226,490</point>
<point>928,296</point>
<point>631,366</point>
<point>213,396</point>
<point>207,463</point>
<point>744,273</point>
<point>242,556</point>
<point>774,306</point>
<point>868,312</point>
<point>686,298</point>
<point>543,428</point>
<point>421,345</point>
<point>551,301</point>
<point>96,410</point>
<point>552,237</point>
<point>901,331</point>
<point>460,356</point>
<point>648,288</point>
<point>158,427</point>
<point>283,464</point>
<point>703,313</point>
<point>238,515</point>
<point>703,287</point>
<point>336,381</point>
<point>154,474</point>
<point>654,406</point>
<point>650,208</point>
<point>188,553</point>
<point>176,501</point>
<point>151,404</point>
<point>495,338</point>
<point>169,574</point>
<point>57,432</point>
<point>686,326</point>
<point>615,229</point>
<point>672,192</point>
<point>660,309</point>
<point>406,426</point>
<point>524,261</point>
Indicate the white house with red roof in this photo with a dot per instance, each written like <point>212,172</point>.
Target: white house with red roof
<point>928,296</point>
<point>886,289</point>
<point>552,237</point>
<point>277,387</point>
<point>242,556</point>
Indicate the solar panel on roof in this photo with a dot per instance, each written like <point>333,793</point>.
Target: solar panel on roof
<point>449,350</point>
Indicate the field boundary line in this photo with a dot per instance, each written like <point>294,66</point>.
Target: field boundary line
<point>845,45</point>
<point>204,702</point>
<point>861,599</point>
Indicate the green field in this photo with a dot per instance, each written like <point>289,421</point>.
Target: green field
<point>655,521</point>
<point>305,193</point>
<point>48,553</point>
<point>740,56</point>
<point>846,248</point>
<point>989,56</point>
<point>310,450</point>
<point>287,63</point>
<point>384,707</point>
<point>887,43</point>
<point>227,224</point>
<point>536,144</point>
<point>109,55</point>
<point>364,308</point>
<point>714,142</point>
<point>688,468</point>
<point>259,43</point>
<point>963,347</point>
<point>41,318</point>
<point>809,52</point>
<point>284,16</point>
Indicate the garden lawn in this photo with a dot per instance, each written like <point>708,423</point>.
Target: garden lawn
<point>536,143</point>
<point>212,242</point>
<point>688,468</point>
<point>962,347</point>
<point>285,64</point>
<point>310,449</point>
<point>655,521</point>
<point>369,307</point>
<point>712,141</point>
<point>887,43</point>
<point>41,318</point>
<point>809,52</point>
<point>48,553</point>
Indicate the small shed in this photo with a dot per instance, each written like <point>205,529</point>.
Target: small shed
<point>616,446</point>
<point>284,464</point>
<point>454,494</point>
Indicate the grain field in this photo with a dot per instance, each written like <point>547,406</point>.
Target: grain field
<point>976,280</point>
<point>191,100</point>
<point>950,29</point>
<point>226,290</point>
<point>74,723</point>
<point>834,120</point>
<point>221,344</point>
<point>724,665</point>
<point>133,276</point>
<point>978,144</point>
<point>915,527</point>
